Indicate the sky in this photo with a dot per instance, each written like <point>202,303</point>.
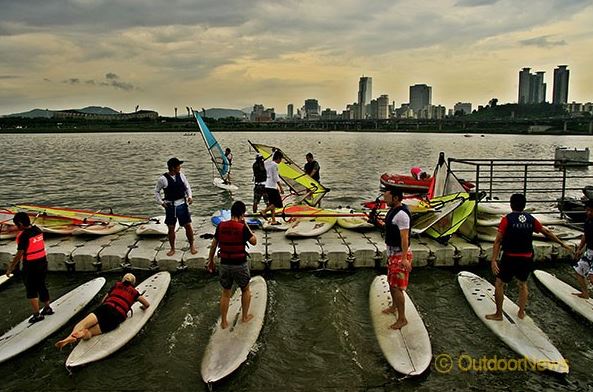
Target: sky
<point>63,54</point>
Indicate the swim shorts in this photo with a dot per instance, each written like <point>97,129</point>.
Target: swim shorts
<point>397,276</point>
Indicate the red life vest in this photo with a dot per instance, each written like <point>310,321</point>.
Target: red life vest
<point>122,296</point>
<point>35,248</point>
<point>231,242</point>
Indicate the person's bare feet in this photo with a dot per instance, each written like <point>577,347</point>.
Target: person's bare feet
<point>193,250</point>
<point>224,324</point>
<point>247,319</point>
<point>171,252</point>
<point>73,338</point>
<point>582,295</point>
<point>494,316</point>
<point>521,314</point>
<point>389,310</point>
<point>399,324</point>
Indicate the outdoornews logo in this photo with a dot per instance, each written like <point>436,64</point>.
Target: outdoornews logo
<point>445,363</point>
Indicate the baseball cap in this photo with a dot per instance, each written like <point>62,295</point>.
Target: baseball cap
<point>173,162</point>
<point>129,278</point>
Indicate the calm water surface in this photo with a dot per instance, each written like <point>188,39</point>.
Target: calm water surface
<point>318,333</point>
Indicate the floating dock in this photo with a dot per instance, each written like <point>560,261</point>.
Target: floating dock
<point>338,249</point>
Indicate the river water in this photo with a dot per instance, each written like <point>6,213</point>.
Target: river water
<point>317,334</point>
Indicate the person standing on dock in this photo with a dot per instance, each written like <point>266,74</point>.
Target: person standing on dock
<point>273,186</point>
<point>231,237</point>
<point>177,197</point>
<point>515,237</point>
<point>584,266</point>
<point>397,225</point>
<point>259,181</point>
<point>31,251</point>
<point>312,167</point>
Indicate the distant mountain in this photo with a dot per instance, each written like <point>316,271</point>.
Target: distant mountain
<point>46,113</point>
<point>217,113</point>
<point>97,110</point>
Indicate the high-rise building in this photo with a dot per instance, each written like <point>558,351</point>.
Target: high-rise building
<point>290,111</point>
<point>524,86</point>
<point>539,87</point>
<point>560,92</point>
<point>532,88</point>
<point>462,108</point>
<point>383,107</point>
<point>365,94</point>
<point>312,109</point>
<point>420,97</point>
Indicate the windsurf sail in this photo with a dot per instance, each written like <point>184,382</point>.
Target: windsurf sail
<point>304,186</point>
<point>462,205</point>
<point>83,216</point>
<point>444,182</point>
<point>216,152</point>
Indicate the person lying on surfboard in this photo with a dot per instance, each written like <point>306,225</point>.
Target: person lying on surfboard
<point>110,314</point>
<point>584,266</point>
<point>231,237</point>
<point>177,197</point>
<point>515,236</point>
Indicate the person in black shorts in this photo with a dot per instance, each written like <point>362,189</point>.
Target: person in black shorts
<point>110,314</point>
<point>515,236</point>
<point>273,186</point>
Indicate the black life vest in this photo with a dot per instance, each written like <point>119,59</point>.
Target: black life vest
<point>588,230</point>
<point>309,166</point>
<point>392,231</point>
<point>122,296</point>
<point>518,237</point>
<point>35,249</point>
<point>231,242</point>
<point>175,189</point>
<point>259,171</point>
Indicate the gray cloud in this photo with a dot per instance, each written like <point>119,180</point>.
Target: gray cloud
<point>542,42</point>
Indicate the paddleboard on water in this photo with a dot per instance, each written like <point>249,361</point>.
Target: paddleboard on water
<point>155,227</point>
<point>219,182</point>
<point>564,292</point>
<point>25,335</point>
<point>228,348</point>
<point>310,227</point>
<point>101,346</point>
<point>522,336</point>
<point>4,278</point>
<point>408,349</point>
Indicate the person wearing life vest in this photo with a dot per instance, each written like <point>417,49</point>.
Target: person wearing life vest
<point>113,311</point>
<point>259,180</point>
<point>178,195</point>
<point>231,237</point>
<point>515,237</point>
<point>397,225</point>
<point>31,252</point>
<point>584,253</point>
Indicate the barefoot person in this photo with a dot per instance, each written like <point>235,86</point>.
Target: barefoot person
<point>31,251</point>
<point>110,314</point>
<point>231,237</point>
<point>399,255</point>
<point>515,236</point>
<point>584,266</point>
<point>177,197</point>
<point>273,186</point>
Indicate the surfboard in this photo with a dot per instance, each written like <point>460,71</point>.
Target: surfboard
<point>564,292</point>
<point>100,229</point>
<point>310,227</point>
<point>25,335</point>
<point>219,182</point>
<point>488,233</point>
<point>522,336</point>
<point>4,278</point>
<point>408,349</point>
<point>101,346</point>
<point>155,227</point>
<point>228,348</point>
<point>352,222</point>
<point>284,225</point>
<point>494,220</point>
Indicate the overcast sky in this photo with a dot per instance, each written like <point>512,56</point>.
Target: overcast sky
<point>61,54</point>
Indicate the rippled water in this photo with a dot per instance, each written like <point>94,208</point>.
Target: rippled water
<point>318,333</point>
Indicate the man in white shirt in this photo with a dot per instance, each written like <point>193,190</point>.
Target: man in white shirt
<point>177,197</point>
<point>273,186</point>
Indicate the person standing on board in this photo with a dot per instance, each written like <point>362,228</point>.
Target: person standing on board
<point>259,180</point>
<point>515,237</point>
<point>397,225</point>
<point>584,266</point>
<point>110,314</point>
<point>312,167</point>
<point>229,157</point>
<point>273,186</point>
<point>231,237</point>
<point>177,197</point>
<point>31,251</point>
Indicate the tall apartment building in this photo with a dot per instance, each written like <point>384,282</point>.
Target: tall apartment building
<point>259,114</point>
<point>560,92</point>
<point>532,88</point>
<point>462,107</point>
<point>420,97</point>
<point>312,109</point>
<point>365,94</point>
<point>290,111</point>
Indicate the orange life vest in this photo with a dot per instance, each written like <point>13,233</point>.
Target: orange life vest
<point>35,248</point>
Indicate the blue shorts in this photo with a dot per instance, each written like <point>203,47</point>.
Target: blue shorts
<point>179,213</point>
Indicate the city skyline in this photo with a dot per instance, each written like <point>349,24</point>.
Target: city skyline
<point>161,55</point>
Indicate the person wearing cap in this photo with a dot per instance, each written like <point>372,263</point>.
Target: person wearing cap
<point>110,314</point>
<point>259,181</point>
<point>175,202</point>
<point>399,255</point>
<point>31,251</point>
<point>584,253</point>
<point>312,167</point>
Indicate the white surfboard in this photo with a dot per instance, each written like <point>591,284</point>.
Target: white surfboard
<point>219,182</point>
<point>228,348</point>
<point>544,219</point>
<point>352,222</point>
<point>522,336</point>
<point>310,227</point>
<point>408,349</point>
<point>488,233</point>
<point>564,292</point>
<point>100,346</point>
<point>155,227</point>
<point>25,335</point>
<point>4,278</point>
<point>284,225</point>
<point>100,229</point>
